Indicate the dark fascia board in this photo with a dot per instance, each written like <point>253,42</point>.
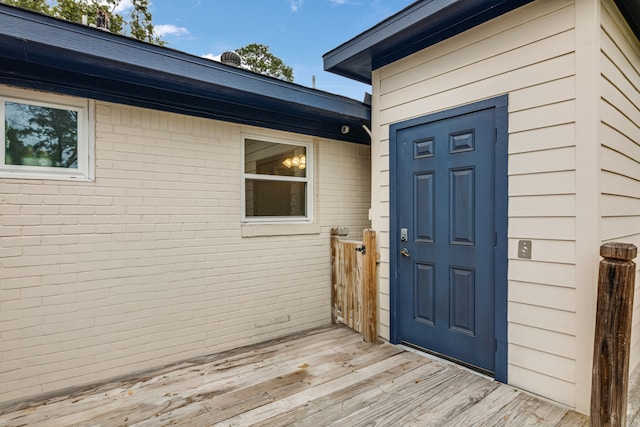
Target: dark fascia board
<point>425,23</point>
<point>45,53</point>
<point>420,25</point>
<point>630,9</point>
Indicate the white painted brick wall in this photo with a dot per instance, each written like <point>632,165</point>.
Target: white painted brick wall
<point>147,265</point>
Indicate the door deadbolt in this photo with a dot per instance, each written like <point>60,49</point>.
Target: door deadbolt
<point>404,235</point>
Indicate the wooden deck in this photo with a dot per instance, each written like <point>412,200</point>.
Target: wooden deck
<point>322,377</point>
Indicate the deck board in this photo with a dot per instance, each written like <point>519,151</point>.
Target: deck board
<point>323,377</point>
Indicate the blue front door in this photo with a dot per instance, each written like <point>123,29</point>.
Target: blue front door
<point>444,236</point>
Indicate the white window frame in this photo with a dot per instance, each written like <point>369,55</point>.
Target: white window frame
<point>308,179</point>
<point>85,112</point>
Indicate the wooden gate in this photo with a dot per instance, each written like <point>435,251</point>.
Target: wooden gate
<point>354,290</point>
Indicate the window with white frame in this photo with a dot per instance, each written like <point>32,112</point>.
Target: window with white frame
<point>45,136</point>
<point>277,181</point>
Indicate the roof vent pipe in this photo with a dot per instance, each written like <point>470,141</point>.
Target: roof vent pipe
<point>231,58</point>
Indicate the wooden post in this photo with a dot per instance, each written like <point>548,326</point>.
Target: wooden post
<point>610,376</point>
<point>369,288</point>
<point>334,277</point>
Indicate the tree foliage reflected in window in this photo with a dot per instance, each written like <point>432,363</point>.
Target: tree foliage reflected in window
<point>40,136</point>
<point>45,136</point>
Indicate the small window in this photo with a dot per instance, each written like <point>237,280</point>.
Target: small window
<point>44,139</point>
<point>277,184</point>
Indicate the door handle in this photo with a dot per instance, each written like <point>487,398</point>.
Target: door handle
<point>404,252</point>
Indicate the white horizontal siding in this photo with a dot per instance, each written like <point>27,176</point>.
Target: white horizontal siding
<point>547,183</point>
<point>620,141</point>
<point>547,318</point>
<point>543,116</point>
<point>538,361</point>
<point>550,296</point>
<point>545,138</point>
<point>529,55</point>
<point>558,251</point>
<point>544,273</point>
<point>542,205</point>
<point>551,228</point>
<point>619,162</point>
<point>544,384</point>
<point>514,33</point>
<point>613,184</point>
<point>550,160</point>
<point>551,342</point>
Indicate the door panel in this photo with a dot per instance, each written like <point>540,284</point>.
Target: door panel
<point>461,300</point>
<point>424,298</point>
<point>445,197</point>
<point>462,206</point>
<point>425,207</point>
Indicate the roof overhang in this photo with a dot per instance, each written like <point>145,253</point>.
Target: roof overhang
<point>630,9</point>
<point>422,24</point>
<point>44,53</point>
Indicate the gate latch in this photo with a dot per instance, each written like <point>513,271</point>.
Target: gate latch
<point>363,249</point>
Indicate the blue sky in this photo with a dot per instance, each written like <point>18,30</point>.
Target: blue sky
<point>297,31</point>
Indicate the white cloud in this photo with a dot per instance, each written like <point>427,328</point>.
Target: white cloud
<point>295,5</point>
<point>123,6</point>
<point>212,57</point>
<point>339,2</point>
<point>169,30</point>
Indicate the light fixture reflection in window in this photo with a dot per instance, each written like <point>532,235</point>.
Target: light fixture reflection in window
<point>299,162</point>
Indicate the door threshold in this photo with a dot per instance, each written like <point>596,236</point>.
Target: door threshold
<point>447,360</point>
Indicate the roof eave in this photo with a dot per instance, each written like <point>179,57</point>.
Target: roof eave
<point>425,23</point>
<point>45,53</point>
<point>420,25</point>
<point>630,9</point>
